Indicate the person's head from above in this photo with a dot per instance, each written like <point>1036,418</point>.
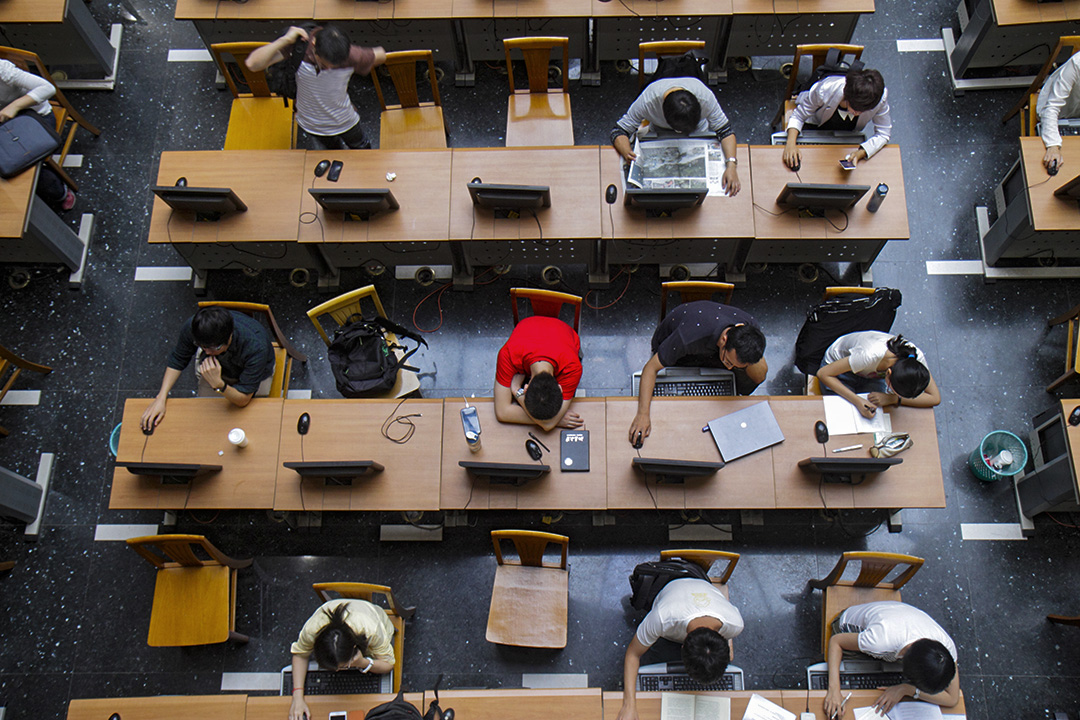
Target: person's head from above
<point>705,654</point>
<point>338,646</point>
<point>543,396</point>
<point>928,666</point>
<point>740,346</point>
<point>331,47</point>
<point>907,377</point>
<point>212,328</point>
<point>682,111</point>
<point>863,90</point>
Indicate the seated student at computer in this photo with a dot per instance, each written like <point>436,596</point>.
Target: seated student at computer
<point>695,614</point>
<point>235,358</point>
<point>1059,98</point>
<point>888,367</point>
<point>896,632</point>
<point>537,373</point>
<point>703,334</point>
<point>685,105</point>
<point>842,102</point>
<point>343,633</point>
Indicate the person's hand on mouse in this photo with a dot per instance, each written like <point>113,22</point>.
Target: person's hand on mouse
<point>641,424</point>
<point>1052,157</point>
<point>791,155</point>
<point>298,710</point>
<point>571,421</point>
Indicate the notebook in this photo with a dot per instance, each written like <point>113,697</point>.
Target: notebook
<point>746,431</point>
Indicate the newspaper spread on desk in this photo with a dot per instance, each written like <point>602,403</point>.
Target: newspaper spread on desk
<point>678,163</point>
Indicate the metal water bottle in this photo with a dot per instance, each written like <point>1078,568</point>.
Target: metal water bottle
<point>470,424</point>
<point>879,194</point>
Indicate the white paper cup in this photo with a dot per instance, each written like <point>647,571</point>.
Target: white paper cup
<point>238,437</point>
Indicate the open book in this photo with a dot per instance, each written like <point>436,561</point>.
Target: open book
<point>684,706</point>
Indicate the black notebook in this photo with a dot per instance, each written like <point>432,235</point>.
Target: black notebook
<point>575,450</point>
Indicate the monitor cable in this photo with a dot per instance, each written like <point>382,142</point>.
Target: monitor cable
<point>651,496</point>
<point>393,419</point>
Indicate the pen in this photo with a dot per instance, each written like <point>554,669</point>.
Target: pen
<point>842,704</point>
<point>849,447</point>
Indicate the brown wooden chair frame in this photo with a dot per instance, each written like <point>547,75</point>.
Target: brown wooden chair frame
<point>244,83</point>
<point>401,67</point>
<point>547,303</point>
<point>662,49</point>
<point>693,290</point>
<point>9,360</point>
<point>1029,118</point>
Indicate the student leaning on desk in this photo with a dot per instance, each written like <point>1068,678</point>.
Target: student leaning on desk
<point>1059,97</point>
<point>537,373</point>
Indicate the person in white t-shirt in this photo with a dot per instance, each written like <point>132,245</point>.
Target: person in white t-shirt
<point>1059,98</point>
<point>896,632</point>
<point>688,611</point>
<point>889,368</point>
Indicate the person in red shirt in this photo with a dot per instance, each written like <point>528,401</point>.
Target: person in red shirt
<point>537,374</point>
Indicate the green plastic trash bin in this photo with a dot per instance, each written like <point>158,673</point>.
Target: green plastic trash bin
<point>1000,454</point>
<point>114,440</point>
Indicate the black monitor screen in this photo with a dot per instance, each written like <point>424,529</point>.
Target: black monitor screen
<point>845,470</point>
<point>355,203</point>
<point>820,197</point>
<point>661,202</point>
<point>170,473</point>
<point>337,472</point>
<point>208,204</point>
<point>510,198</point>
<point>1070,189</point>
<point>505,473</point>
<point>1052,442</point>
<point>675,471</point>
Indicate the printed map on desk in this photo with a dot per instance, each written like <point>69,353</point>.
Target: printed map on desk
<point>683,163</point>
<point>843,418</point>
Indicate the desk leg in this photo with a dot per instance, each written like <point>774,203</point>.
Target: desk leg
<point>599,272</point>
<point>464,72</point>
<point>198,281</point>
<point>329,274</point>
<point>867,274</point>
<point>717,67</point>
<point>896,523</point>
<point>463,272</point>
<point>56,239</point>
<point>590,64</point>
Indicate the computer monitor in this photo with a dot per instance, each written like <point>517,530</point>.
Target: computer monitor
<point>672,472</point>
<point>1070,190</point>
<point>497,473</point>
<point>1051,484</point>
<point>170,473</point>
<point>662,202</point>
<point>355,203</point>
<point>335,472</point>
<point>208,204</point>
<point>507,199</point>
<point>816,198</point>
<point>844,470</point>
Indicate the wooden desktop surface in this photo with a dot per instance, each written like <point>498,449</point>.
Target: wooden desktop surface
<point>648,703</point>
<point>521,8</point>
<point>276,707</point>
<point>425,201</point>
<point>1072,433</point>
<point>666,8</point>
<point>194,430</point>
<point>1049,212</point>
<point>801,7</point>
<point>820,165</point>
<point>16,195</point>
<point>383,10</point>
<point>572,173</point>
<point>33,11</point>
<point>267,181</point>
<point>258,10</point>
<point>796,701</point>
<point>174,707</point>
<point>717,217</point>
<point>351,430</point>
<point>505,442</point>
<point>538,704</point>
<point>1027,12</point>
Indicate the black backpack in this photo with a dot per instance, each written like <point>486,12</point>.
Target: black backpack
<point>839,316</point>
<point>363,362</point>
<point>834,65</point>
<point>281,76</point>
<point>397,709</point>
<point>649,579</point>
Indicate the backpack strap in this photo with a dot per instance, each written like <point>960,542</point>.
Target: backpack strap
<point>390,326</point>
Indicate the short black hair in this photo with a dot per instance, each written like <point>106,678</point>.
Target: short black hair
<point>747,341</point>
<point>212,326</point>
<point>705,655</point>
<point>863,89</point>
<point>929,666</point>
<point>543,397</point>
<point>682,111</point>
<point>332,45</point>
<point>908,377</point>
<point>337,642</point>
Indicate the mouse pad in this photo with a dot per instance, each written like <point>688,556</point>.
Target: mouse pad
<point>574,448</point>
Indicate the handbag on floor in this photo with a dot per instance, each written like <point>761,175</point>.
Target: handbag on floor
<point>24,142</point>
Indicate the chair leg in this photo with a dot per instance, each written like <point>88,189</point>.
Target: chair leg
<point>63,175</point>
<point>1068,315</point>
<point>1069,375</point>
<point>1064,619</point>
<point>406,613</point>
<point>3,431</point>
<point>6,565</point>
<point>238,637</point>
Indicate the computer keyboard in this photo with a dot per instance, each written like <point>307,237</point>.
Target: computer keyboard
<point>1069,129</point>
<point>857,681</point>
<point>341,682</point>
<point>683,683</point>
<point>695,388</point>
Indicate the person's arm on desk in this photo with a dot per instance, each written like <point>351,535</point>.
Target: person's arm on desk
<point>631,663</point>
<point>791,148</point>
<point>267,55</point>
<point>730,181</point>
<point>882,121</point>
<point>838,643</point>
<point>1058,93</point>
<point>298,710</point>
<point>642,423</point>
<point>153,415</point>
<point>930,397</point>
<point>210,369</point>
<point>829,377</point>
<point>508,409</point>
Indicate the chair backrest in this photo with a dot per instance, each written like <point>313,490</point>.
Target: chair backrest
<point>401,67</point>
<point>546,302</point>
<point>691,290</point>
<point>9,361</point>
<point>380,595</point>
<point>344,307</point>
<point>530,547</point>
<point>817,55</point>
<point>874,568</point>
<point>705,559</point>
<point>1069,44</point>
<point>241,81</point>
<point>31,63</point>
<point>664,48</point>
<point>163,550</point>
<point>537,54</point>
<point>831,292</point>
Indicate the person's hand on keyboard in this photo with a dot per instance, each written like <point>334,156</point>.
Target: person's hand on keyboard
<point>641,424</point>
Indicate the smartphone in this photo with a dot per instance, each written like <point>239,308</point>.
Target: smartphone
<point>340,715</point>
<point>335,171</point>
<point>845,163</point>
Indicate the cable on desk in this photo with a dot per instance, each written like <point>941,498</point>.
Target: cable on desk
<point>847,221</point>
<point>538,225</point>
<point>630,9</point>
<point>1041,182</point>
<point>651,496</point>
<point>393,419</point>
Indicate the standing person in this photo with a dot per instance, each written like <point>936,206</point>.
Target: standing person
<point>537,373</point>
<point>1059,97</point>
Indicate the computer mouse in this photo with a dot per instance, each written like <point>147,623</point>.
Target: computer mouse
<point>181,182</point>
<point>476,181</point>
<point>821,432</point>
<point>114,716</point>
<point>534,449</point>
<point>1074,416</point>
<point>303,424</point>
<point>322,167</point>
<point>150,430</point>
<point>448,713</point>
<point>612,194</point>
<point>335,171</point>
<point>797,166</point>
<point>639,440</point>
<point>1053,169</point>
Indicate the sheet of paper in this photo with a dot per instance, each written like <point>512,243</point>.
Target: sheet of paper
<point>678,163</point>
<point>867,713</point>
<point>843,418</point>
<point>915,710</point>
<point>712,707</point>
<point>761,709</point>
<point>677,706</point>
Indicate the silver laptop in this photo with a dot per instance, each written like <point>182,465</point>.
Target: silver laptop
<point>746,431</point>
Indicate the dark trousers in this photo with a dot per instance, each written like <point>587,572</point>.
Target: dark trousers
<point>352,139</point>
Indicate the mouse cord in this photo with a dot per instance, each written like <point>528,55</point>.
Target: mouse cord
<point>651,496</point>
<point>393,419</point>
<point>143,453</point>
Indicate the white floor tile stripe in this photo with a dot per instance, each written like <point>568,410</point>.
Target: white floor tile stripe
<point>929,45</point>
<point>299,395</point>
<point>554,680</point>
<point>182,274</point>
<point>250,681</point>
<point>123,532</point>
<point>954,267</point>
<point>198,55</point>
<point>70,161</point>
<point>991,531</point>
<point>22,397</point>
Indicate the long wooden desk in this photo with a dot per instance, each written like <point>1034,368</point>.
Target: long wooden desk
<point>539,704</point>
<point>277,707</point>
<point>67,38</point>
<point>174,707</point>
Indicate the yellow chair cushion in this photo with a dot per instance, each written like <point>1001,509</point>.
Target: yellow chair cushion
<point>528,607</point>
<point>257,123</point>
<point>191,606</point>
<point>412,128</point>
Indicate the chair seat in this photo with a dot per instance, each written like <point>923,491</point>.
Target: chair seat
<point>412,128</point>
<point>840,597</point>
<point>259,123</point>
<point>528,607</point>
<point>539,120</point>
<point>191,606</point>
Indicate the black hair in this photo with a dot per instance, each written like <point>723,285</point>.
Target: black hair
<point>863,89</point>
<point>332,45</point>
<point>747,341</point>
<point>682,111</point>
<point>337,643</point>
<point>543,397</point>
<point>908,377</point>
<point>929,666</point>
<point>706,654</point>
<point>212,327</point>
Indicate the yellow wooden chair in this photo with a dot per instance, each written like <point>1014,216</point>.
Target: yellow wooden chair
<point>538,115</point>
<point>374,594</point>
<point>817,55</point>
<point>529,598</point>
<point>194,597</point>
<point>548,303</point>
<point>350,306</point>
<point>1068,45</point>
<point>11,365</point>
<point>693,290</point>
<point>662,49</point>
<point>410,124</point>
<point>706,559</point>
<point>284,352</point>
<point>259,120</point>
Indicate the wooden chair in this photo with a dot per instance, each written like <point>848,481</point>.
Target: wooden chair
<point>410,124</point>
<point>259,120</point>
<point>11,365</point>
<point>1073,620</point>
<point>194,598</point>
<point>529,598</point>
<point>870,585</point>
<point>1029,118</point>
<point>817,55</point>
<point>706,559</point>
<point>538,116</point>
<point>548,303</point>
<point>1072,345</point>
<point>346,308</point>
<point>284,352</point>
<point>691,291</point>
<point>813,385</point>
<point>68,119</point>
<point>372,593</point>
<point>662,49</point>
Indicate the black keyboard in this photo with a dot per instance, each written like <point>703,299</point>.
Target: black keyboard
<point>683,683</point>
<point>857,681</point>
<point>695,388</point>
<point>1069,129</point>
<point>341,682</point>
